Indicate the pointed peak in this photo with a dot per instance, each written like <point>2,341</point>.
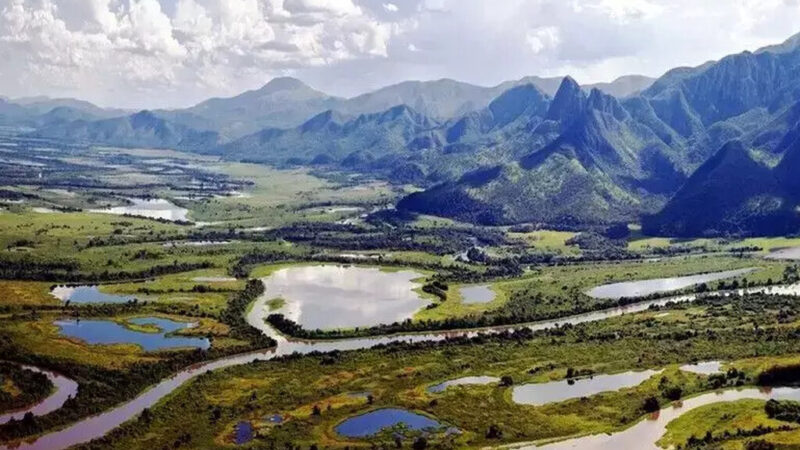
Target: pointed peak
<point>569,101</point>
<point>568,84</point>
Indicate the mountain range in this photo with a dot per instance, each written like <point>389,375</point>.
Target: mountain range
<point>707,150</point>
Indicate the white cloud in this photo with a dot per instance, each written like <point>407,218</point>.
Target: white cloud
<point>540,39</point>
<point>175,52</point>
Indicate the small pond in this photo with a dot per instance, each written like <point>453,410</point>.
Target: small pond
<point>703,368</point>
<point>156,208</point>
<point>87,294</point>
<point>329,297</point>
<point>108,332</point>
<point>557,391</point>
<point>476,294</point>
<point>441,387</point>
<point>243,432</point>
<point>642,288</point>
<point>374,421</point>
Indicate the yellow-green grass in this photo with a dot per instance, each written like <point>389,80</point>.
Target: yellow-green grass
<point>454,305</point>
<point>548,240</point>
<point>279,196</point>
<point>719,418</point>
<point>181,281</point>
<point>50,232</point>
<point>577,279</point>
<point>276,303</point>
<point>42,337</point>
<point>19,293</point>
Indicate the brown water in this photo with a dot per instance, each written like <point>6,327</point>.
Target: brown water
<point>97,426</point>
<point>646,433</point>
<point>64,389</point>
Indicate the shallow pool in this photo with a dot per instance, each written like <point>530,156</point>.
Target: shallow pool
<point>374,421</point>
<point>108,332</point>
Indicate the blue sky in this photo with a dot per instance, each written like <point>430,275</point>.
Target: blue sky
<point>169,53</point>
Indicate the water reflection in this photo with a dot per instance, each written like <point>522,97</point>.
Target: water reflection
<point>643,288</point>
<point>99,425</point>
<point>87,294</point>
<point>108,332</point>
<point>441,387</point>
<point>644,434</point>
<point>156,208</point>
<point>374,421</point>
<point>557,391</point>
<point>329,297</point>
<point>64,389</point>
<point>703,368</point>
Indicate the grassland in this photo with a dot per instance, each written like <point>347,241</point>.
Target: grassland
<point>718,419</point>
<point>399,377</point>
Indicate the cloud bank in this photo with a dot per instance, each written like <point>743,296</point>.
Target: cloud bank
<point>156,53</point>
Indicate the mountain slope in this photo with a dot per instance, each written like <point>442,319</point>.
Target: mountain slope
<point>143,129</point>
<point>591,173</point>
<point>732,193</point>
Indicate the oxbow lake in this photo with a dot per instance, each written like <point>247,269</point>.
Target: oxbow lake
<point>643,288</point>
<point>332,296</point>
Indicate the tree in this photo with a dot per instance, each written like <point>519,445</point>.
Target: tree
<point>651,404</point>
<point>506,380</point>
<point>420,443</point>
<point>494,432</point>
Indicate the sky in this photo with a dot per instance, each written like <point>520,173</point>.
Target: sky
<point>175,53</point>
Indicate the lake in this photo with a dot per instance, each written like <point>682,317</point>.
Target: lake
<point>441,387</point>
<point>557,391</point>
<point>374,421</point>
<point>97,426</point>
<point>332,296</point>
<point>476,294</point>
<point>157,208</point>
<point>87,294</point>
<point>108,332</point>
<point>643,288</point>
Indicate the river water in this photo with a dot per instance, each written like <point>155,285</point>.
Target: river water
<point>64,389</point>
<point>99,425</point>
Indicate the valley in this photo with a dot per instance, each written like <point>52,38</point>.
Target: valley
<point>536,264</point>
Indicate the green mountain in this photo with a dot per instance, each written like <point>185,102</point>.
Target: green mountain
<point>607,160</point>
<point>735,193</point>
<point>591,173</point>
<point>143,129</point>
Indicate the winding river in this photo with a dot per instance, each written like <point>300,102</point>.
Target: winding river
<point>99,425</point>
<point>64,389</point>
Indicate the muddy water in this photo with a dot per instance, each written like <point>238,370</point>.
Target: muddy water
<point>97,426</point>
<point>64,389</point>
